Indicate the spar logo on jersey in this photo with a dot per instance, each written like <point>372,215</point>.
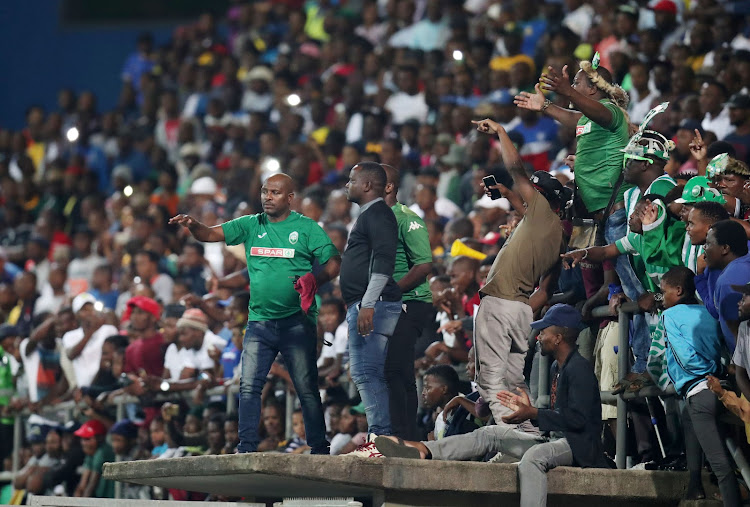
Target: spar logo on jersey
<point>583,129</point>
<point>281,253</point>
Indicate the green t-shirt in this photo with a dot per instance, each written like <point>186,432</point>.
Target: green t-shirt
<point>660,186</point>
<point>413,248</point>
<point>598,158</point>
<point>649,274</point>
<point>277,252</point>
<point>6,383</point>
<point>104,454</point>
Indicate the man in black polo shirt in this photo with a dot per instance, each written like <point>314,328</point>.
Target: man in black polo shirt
<point>372,296</point>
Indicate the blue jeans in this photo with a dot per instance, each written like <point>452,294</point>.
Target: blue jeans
<point>367,362</point>
<point>295,338</point>
<point>640,336</point>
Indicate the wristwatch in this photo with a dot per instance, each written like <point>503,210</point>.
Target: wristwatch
<point>547,103</point>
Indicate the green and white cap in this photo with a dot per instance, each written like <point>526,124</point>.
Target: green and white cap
<point>698,189</point>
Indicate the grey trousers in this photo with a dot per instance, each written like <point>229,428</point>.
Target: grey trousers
<point>701,428</point>
<point>501,341</point>
<point>537,454</point>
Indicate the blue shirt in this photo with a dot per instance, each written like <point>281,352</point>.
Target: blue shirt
<point>230,358</point>
<point>693,345</point>
<point>736,272</point>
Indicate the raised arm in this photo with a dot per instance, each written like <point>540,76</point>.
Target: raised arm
<point>538,102</point>
<point>560,84</point>
<point>198,230</point>
<point>511,159</point>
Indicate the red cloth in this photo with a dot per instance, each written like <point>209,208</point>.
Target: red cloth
<point>145,354</point>
<point>469,303</point>
<point>307,286</point>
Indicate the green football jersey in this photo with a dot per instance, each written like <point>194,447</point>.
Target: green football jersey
<point>413,248</point>
<point>598,158</point>
<point>276,253</point>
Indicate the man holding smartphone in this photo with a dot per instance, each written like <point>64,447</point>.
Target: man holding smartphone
<point>529,258</point>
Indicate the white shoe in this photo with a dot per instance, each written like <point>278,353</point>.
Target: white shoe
<point>367,450</point>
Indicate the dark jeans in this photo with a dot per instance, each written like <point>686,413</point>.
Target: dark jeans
<point>701,428</point>
<point>399,368</point>
<point>295,338</point>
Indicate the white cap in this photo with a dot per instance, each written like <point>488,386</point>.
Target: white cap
<point>487,202</point>
<point>82,299</point>
<point>203,186</point>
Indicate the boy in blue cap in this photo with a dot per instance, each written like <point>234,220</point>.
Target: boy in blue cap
<point>572,423</point>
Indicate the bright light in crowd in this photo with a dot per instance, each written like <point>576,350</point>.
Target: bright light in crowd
<point>293,100</point>
<point>98,306</point>
<point>272,165</point>
<point>458,55</point>
<point>72,134</point>
<point>128,191</point>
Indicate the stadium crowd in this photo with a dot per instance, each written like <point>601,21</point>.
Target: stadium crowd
<point>350,203</point>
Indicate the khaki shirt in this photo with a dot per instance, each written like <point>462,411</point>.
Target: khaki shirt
<point>530,252</point>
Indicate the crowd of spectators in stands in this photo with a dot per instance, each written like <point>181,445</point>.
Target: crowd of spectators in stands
<point>101,298</point>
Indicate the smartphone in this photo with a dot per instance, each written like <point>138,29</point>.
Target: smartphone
<point>490,181</point>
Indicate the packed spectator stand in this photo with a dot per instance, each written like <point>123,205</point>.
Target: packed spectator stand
<point>122,335</point>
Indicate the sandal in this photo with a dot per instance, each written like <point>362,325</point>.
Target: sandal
<point>391,449</point>
<point>643,380</point>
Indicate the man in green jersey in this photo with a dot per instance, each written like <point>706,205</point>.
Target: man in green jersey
<point>413,266</point>
<point>281,246</point>
<point>8,337</point>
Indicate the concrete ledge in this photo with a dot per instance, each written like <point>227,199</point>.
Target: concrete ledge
<point>427,482</point>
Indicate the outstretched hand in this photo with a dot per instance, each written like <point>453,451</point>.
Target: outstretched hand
<point>520,404</point>
<point>572,258</point>
<point>183,220</point>
<point>487,126</point>
<point>531,101</point>
<point>557,82</point>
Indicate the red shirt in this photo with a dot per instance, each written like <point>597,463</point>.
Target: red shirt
<point>146,354</point>
<point>469,304</point>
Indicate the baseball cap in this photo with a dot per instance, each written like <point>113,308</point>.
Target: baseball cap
<point>146,304</point>
<point>739,101</point>
<point>501,97</point>
<point>82,300</point>
<point>203,186</point>
<point>698,189</point>
<point>548,184</point>
<point>691,125</point>
<point>126,428</point>
<point>90,429</point>
<point>491,238</point>
<point>37,434</point>
<point>7,330</point>
<point>194,318</point>
<point>487,202</point>
<point>561,315</point>
<point>742,289</point>
<point>665,6</point>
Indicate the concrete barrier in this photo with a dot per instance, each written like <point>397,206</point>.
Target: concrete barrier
<point>392,482</point>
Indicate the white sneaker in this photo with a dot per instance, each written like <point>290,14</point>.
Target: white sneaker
<point>367,450</point>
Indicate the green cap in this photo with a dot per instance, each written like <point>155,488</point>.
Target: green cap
<point>698,189</point>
